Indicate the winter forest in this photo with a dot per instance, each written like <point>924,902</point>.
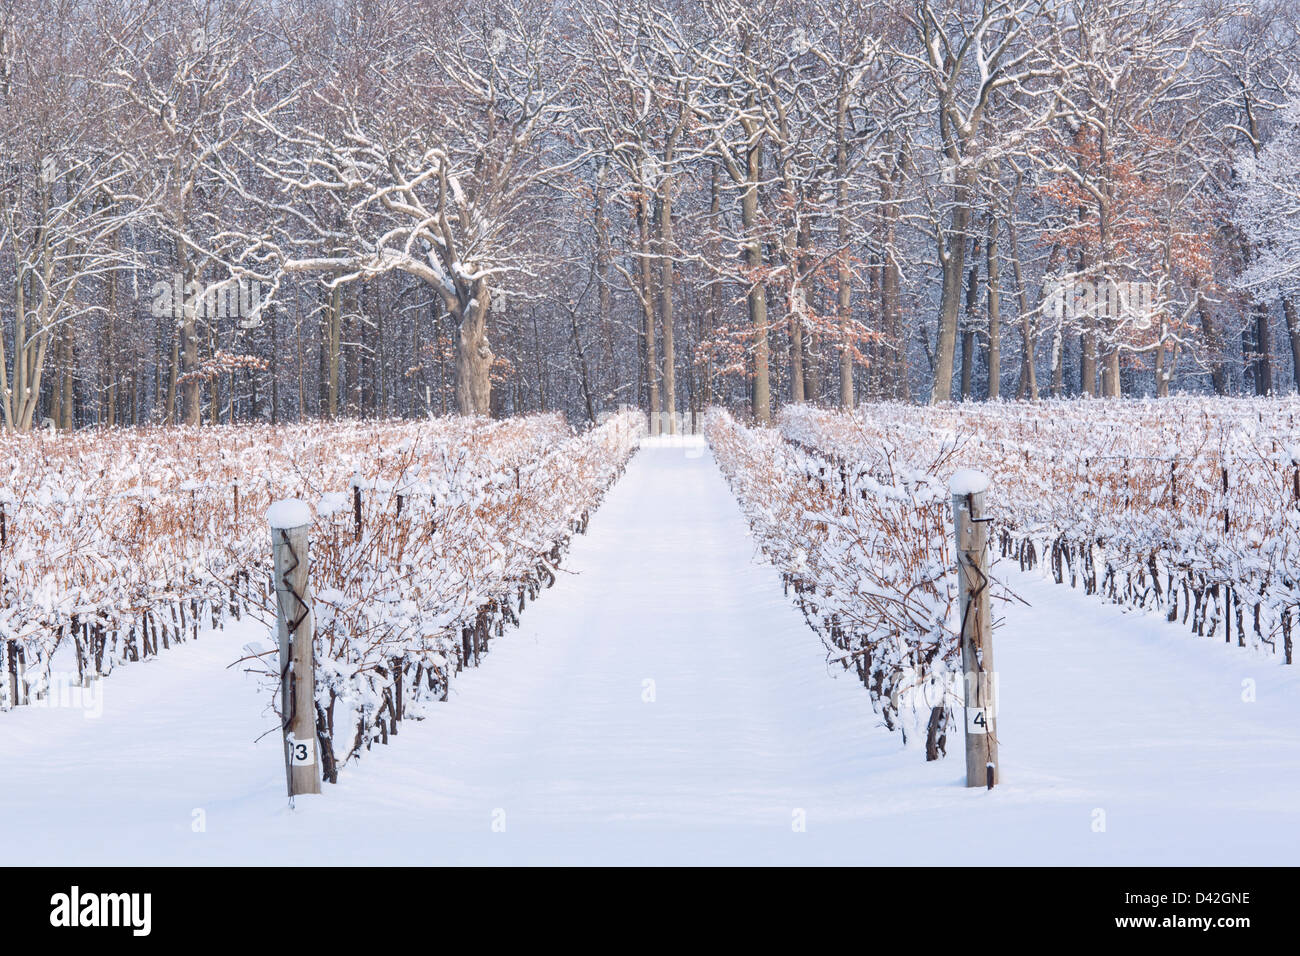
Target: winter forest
<point>240,211</point>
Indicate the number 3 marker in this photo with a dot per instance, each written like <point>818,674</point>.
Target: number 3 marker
<point>302,753</point>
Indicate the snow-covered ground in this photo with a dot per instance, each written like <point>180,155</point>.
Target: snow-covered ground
<point>664,703</point>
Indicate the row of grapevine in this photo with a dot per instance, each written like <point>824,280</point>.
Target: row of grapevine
<point>868,557</point>
<point>117,544</point>
<point>418,592</point>
<point>1188,506</point>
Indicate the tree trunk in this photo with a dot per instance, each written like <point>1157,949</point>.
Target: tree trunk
<point>1111,384</point>
<point>63,397</point>
<point>1058,363</point>
<point>812,366</point>
<point>602,272</point>
<point>1028,386</point>
<point>714,310</point>
<point>214,384</point>
<point>967,360</point>
<point>1087,341</point>
<point>1088,361</point>
<point>844,274</point>
<point>796,357</point>
<point>379,391</point>
<point>648,309</point>
<point>968,323</point>
<point>1263,352</point>
<point>173,372</point>
<point>666,301</point>
<point>799,264</point>
<point>108,358</point>
<point>473,354</point>
<point>762,393</point>
<point>995,313</point>
<point>952,257</point>
<point>844,306</point>
<point>1213,346</point>
<point>334,348</point>
<point>1293,332</point>
<point>191,397</point>
<point>891,280</point>
<point>580,357</point>
<point>537,357</point>
<point>274,373</point>
<point>1162,375</point>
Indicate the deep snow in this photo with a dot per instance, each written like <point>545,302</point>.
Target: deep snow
<point>558,750</point>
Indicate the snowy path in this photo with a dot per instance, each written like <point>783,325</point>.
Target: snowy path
<point>554,736</point>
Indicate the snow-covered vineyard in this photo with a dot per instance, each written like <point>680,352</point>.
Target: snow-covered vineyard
<point>1186,507</point>
<point>426,539</point>
<point>649,431</point>
<point>672,697</point>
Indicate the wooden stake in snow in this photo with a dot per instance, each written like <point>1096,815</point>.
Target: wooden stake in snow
<point>290,523</point>
<point>17,676</point>
<point>971,526</point>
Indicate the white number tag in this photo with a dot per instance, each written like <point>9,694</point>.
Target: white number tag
<point>977,720</point>
<point>302,753</point>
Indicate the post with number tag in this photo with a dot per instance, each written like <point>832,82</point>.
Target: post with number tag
<point>979,679</point>
<point>290,541</point>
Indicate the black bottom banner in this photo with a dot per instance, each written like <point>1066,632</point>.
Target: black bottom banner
<point>969,906</point>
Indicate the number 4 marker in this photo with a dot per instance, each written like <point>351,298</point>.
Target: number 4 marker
<point>976,721</point>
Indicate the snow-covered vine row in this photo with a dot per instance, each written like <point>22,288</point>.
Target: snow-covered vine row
<point>436,573</point>
<point>1190,506</point>
<point>868,558</point>
<point>117,544</point>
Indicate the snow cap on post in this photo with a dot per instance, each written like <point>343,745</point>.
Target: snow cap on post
<point>967,481</point>
<point>289,513</point>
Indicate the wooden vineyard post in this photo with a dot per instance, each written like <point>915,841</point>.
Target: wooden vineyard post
<point>290,540</point>
<point>979,678</point>
<point>9,687</point>
<point>17,677</point>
